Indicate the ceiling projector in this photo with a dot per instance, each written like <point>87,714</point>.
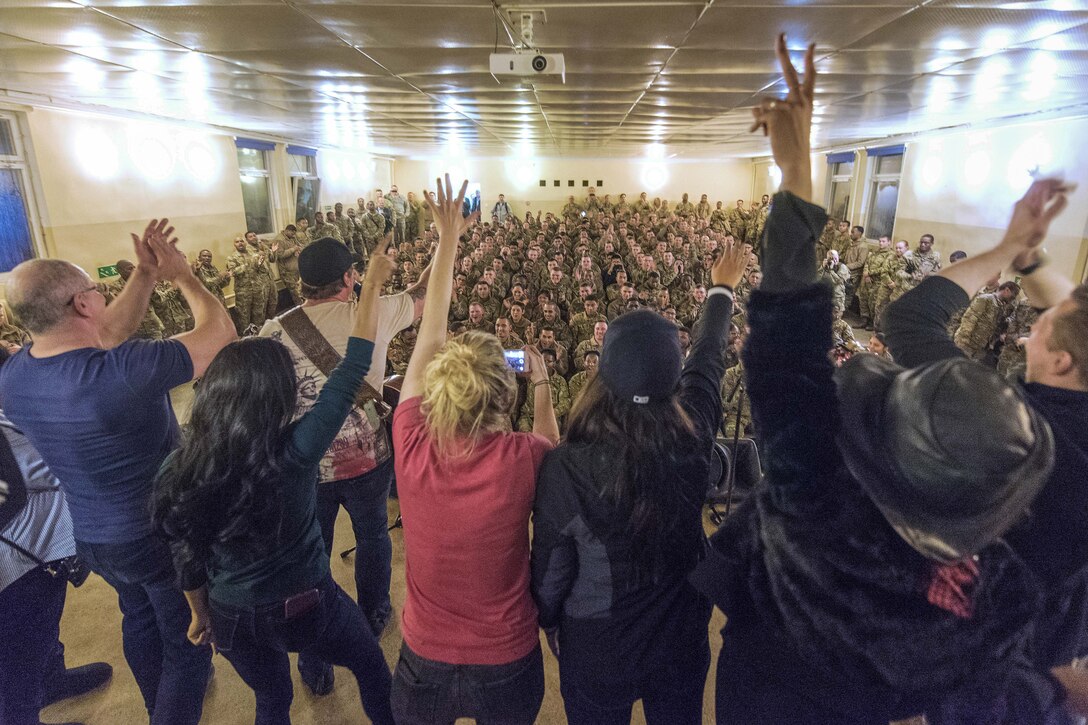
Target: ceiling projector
<point>528,63</point>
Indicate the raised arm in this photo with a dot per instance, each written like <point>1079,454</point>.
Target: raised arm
<point>121,318</point>
<point>317,429</point>
<point>916,325</point>
<point>786,358</point>
<point>436,307</point>
<point>213,328</point>
<point>701,380</point>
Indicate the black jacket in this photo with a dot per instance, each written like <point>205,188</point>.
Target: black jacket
<point>615,625</point>
<point>1053,540</point>
<point>820,592</point>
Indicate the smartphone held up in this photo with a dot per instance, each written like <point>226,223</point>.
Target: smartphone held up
<point>516,361</point>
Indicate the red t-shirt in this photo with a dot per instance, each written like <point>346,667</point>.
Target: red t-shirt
<point>466,542</point>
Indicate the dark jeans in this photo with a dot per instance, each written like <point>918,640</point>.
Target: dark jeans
<point>426,692</point>
<point>365,498</point>
<point>30,610</point>
<point>672,695</point>
<point>172,673</point>
<point>256,642</point>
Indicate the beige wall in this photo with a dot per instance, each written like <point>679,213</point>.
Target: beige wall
<point>102,178</point>
<point>961,187</point>
<point>518,179</point>
<point>348,175</point>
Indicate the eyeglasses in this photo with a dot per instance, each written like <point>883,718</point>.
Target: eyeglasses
<point>92,288</point>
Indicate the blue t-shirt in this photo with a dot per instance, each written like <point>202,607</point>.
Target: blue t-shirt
<point>102,421</point>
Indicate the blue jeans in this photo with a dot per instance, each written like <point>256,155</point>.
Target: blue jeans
<point>426,692</point>
<point>172,673</point>
<point>365,499</point>
<point>30,609</point>
<point>256,642</point>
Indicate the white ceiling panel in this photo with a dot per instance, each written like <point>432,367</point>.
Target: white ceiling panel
<point>407,77</point>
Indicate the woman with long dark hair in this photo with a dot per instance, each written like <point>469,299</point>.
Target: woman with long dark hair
<point>237,503</point>
<point>617,523</point>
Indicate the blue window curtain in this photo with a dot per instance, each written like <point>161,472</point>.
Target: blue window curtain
<point>886,150</point>
<point>252,143</point>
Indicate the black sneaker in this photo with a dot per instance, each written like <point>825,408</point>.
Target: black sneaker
<point>77,681</point>
<point>323,683</point>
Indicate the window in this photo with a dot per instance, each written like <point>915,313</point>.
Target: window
<point>305,183</point>
<point>16,211</point>
<point>885,168</point>
<point>256,189</point>
<point>840,170</point>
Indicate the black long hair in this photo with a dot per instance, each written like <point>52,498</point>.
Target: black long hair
<point>641,445</point>
<point>222,484</point>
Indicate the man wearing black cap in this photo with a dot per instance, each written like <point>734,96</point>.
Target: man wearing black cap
<point>865,580</point>
<point>1052,539</point>
<point>357,470</point>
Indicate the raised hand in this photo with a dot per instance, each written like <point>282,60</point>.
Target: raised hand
<point>788,122</point>
<point>447,210</point>
<point>1032,215</point>
<point>730,266</point>
<point>145,257</point>
<point>382,263</point>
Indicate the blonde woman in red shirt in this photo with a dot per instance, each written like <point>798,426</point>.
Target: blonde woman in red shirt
<point>466,484</point>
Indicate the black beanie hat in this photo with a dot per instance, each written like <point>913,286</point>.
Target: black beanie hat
<point>640,360</point>
<point>323,262</point>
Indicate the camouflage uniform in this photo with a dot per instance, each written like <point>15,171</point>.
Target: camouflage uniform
<point>287,262</point>
<point>513,342</point>
<point>719,221</point>
<point>250,296</point>
<point>894,267</point>
<point>580,353</point>
<point>14,334</point>
<point>373,229</point>
<point>150,327</point>
<point>575,385</point>
<point>703,210</point>
<point>843,336</point>
<point>738,222</point>
<point>838,277</point>
<point>399,205</point>
<point>267,280</point>
<point>733,388</point>
<point>581,325</point>
<point>1013,358</point>
<point>400,353</point>
<point>981,325</point>
<point>560,401</point>
<point>876,269</point>
<point>214,281</point>
<point>323,229</point>
<point>171,309</point>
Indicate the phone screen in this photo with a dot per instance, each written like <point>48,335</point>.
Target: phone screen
<point>515,359</point>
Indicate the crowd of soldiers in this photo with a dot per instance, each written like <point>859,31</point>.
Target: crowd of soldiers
<point>555,281</point>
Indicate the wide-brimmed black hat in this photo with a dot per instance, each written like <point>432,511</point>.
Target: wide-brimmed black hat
<point>950,453</point>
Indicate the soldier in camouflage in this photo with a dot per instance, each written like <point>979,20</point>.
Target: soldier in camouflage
<point>984,321</point>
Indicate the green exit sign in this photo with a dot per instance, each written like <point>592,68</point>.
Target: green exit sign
<point>110,271</point>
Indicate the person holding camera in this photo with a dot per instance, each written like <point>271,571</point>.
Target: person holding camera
<point>466,485</point>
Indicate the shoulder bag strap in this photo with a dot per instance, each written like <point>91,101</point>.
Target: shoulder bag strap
<point>301,329</point>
